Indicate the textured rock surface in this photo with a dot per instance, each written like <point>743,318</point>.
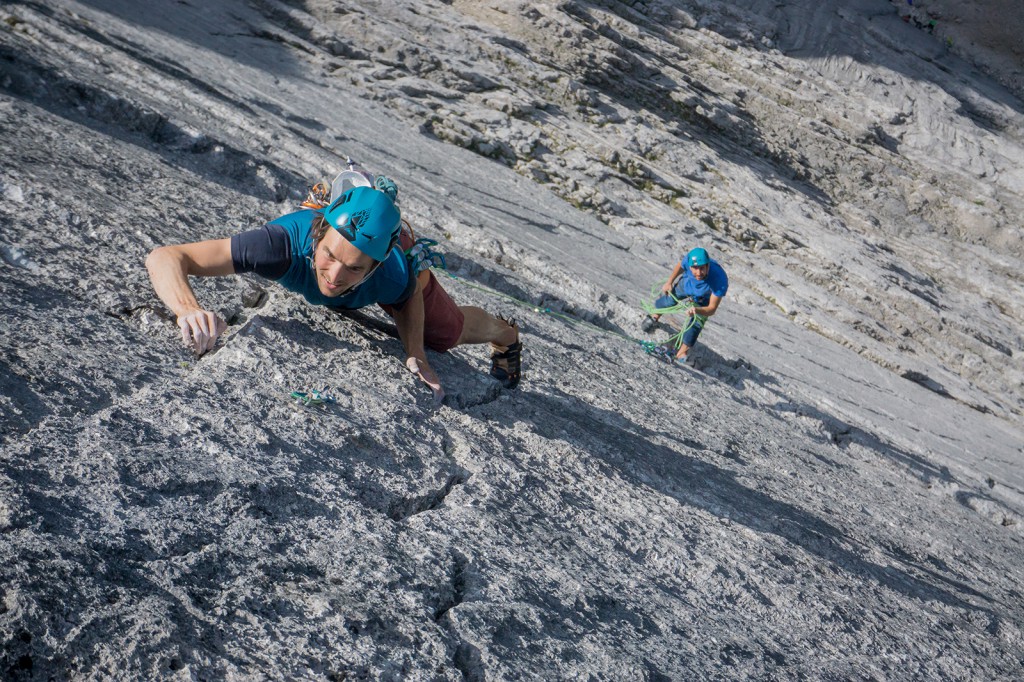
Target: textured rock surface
<point>832,490</point>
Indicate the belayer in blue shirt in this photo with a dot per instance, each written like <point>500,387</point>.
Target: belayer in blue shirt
<point>704,282</point>
<point>346,255</point>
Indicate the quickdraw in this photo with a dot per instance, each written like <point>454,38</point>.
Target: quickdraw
<point>421,256</point>
<point>318,197</point>
<point>312,398</point>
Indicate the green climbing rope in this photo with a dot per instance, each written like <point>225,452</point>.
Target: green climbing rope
<point>681,305</point>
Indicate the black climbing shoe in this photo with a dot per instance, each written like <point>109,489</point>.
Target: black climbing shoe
<point>506,361</point>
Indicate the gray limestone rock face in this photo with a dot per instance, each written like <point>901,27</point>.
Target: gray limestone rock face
<point>830,488</point>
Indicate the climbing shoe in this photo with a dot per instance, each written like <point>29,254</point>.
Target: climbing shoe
<point>506,361</point>
<point>648,324</point>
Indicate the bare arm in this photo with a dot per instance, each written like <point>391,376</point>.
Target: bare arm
<point>710,308</point>
<point>170,266</point>
<point>169,269</point>
<point>409,321</point>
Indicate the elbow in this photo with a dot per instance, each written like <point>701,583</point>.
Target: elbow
<point>160,258</point>
<point>154,258</point>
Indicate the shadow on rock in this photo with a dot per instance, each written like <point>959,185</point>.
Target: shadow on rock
<point>696,483</point>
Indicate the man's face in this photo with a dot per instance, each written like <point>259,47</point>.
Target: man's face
<point>339,265</point>
<point>699,272</point>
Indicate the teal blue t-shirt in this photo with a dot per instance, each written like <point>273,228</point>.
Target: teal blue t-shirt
<point>283,251</point>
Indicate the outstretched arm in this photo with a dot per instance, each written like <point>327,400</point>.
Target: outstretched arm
<point>409,321</point>
<point>169,268</point>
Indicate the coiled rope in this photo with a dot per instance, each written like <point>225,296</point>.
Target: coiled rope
<point>681,305</point>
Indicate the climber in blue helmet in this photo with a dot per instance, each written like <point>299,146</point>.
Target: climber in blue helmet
<point>345,254</point>
<point>704,283</point>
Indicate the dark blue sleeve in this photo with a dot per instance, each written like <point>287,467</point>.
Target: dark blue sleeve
<point>266,251</point>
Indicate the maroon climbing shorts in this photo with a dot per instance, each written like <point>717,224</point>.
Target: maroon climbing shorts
<point>442,319</point>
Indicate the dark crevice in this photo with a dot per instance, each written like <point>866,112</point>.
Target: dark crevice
<point>464,401</point>
<point>455,594</point>
<point>403,509</point>
<point>466,657</point>
<point>926,381</point>
<point>126,313</point>
<point>304,36</point>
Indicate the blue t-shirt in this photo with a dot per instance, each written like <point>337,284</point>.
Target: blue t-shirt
<point>700,291</point>
<point>283,250</point>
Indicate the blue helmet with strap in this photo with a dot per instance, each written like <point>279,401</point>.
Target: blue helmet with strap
<point>368,219</point>
<point>697,257</point>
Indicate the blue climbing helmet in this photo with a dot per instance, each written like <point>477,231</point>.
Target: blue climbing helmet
<point>367,218</point>
<point>697,257</point>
